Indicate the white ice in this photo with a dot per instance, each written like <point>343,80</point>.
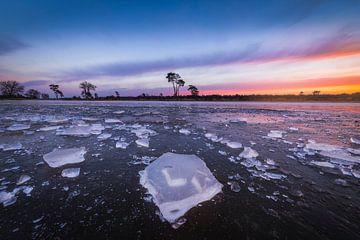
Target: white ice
<point>119,112</point>
<point>70,172</point>
<point>59,157</point>
<point>50,128</point>
<point>18,127</point>
<point>322,164</point>
<point>81,131</point>
<point>233,144</point>
<point>184,131</point>
<point>355,140</point>
<point>113,120</point>
<point>23,179</point>
<point>104,136</point>
<point>275,134</point>
<point>122,144</point>
<point>177,183</point>
<point>11,146</point>
<point>143,142</point>
<point>248,153</point>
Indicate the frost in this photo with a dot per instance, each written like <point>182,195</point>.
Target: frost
<point>23,179</point>
<point>59,157</point>
<point>248,153</point>
<point>178,183</point>
<point>143,142</point>
<point>70,172</point>
<point>184,131</point>
<point>18,127</point>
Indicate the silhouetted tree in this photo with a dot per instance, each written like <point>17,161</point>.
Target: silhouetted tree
<point>96,95</point>
<point>33,94</point>
<point>176,81</point>
<point>56,90</point>
<point>86,89</point>
<point>117,94</point>
<point>316,93</point>
<point>45,96</point>
<point>193,90</point>
<point>301,93</point>
<point>11,88</point>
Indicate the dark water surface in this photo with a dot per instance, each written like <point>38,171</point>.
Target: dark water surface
<point>294,189</point>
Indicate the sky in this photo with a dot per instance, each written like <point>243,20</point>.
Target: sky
<point>222,47</point>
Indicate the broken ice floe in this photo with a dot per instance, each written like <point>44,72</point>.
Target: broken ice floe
<point>50,128</point>
<point>177,183</point>
<point>143,142</point>
<point>122,144</point>
<point>18,127</point>
<point>23,179</point>
<point>355,140</point>
<point>104,136</point>
<point>11,146</point>
<point>248,152</point>
<point>9,198</point>
<point>70,172</point>
<point>119,112</point>
<point>81,130</point>
<point>59,157</point>
<point>233,144</point>
<point>184,131</point>
<point>113,120</point>
<point>275,134</point>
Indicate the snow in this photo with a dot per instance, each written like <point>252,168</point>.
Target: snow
<point>18,127</point>
<point>59,157</point>
<point>23,179</point>
<point>248,153</point>
<point>184,131</point>
<point>70,172</point>
<point>142,142</point>
<point>177,183</point>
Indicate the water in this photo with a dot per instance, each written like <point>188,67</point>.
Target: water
<point>284,193</point>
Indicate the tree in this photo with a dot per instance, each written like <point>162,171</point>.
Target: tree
<point>316,93</point>
<point>44,96</point>
<point>11,88</point>
<point>194,91</point>
<point>301,93</point>
<point>176,81</point>
<point>56,90</point>
<point>86,90</point>
<point>117,94</point>
<point>33,94</point>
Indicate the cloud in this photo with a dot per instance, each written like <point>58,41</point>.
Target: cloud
<point>34,83</point>
<point>8,45</point>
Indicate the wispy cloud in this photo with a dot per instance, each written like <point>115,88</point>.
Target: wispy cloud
<point>8,45</point>
<point>34,83</point>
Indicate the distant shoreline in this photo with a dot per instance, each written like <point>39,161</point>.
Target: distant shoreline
<point>355,97</point>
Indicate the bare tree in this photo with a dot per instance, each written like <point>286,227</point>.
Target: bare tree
<point>56,90</point>
<point>193,90</point>
<point>86,90</point>
<point>33,94</point>
<point>11,88</point>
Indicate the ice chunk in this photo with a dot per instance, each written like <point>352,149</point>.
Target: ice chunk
<point>322,164</point>
<point>234,144</point>
<point>312,145</point>
<point>7,198</point>
<point>119,112</point>
<point>248,153</point>
<point>23,179</point>
<point>355,140</point>
<point>293,129</point>
<point>354,151</point>
<point>184,131</point>
<point>70,172</point>
<point>143,132</point>
<point>122,144</point>
<point>269,175</point>
<point>18,127</point>
<point>11,146</point>
<point>143,142</point>
<point>113,120</point>
<point>59,157</point>
<point>104,136</point>
<point>177,183</point>
<point>341,155</point>
<point>50,128</point>
<point>234,186</point>
<point>81,131</point>
<point>275,134</point>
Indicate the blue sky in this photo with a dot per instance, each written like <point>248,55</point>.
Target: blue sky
<point>129,46</point>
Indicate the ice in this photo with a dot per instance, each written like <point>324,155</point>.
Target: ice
<point>184,131</point>
<point>213,137</point>
<point>119,112</point>
<point>312,145</point>
<point>23,179</point>
<point>248,153</point>
<point>58,120</point>
<point>234,186</point>
<point>81,131</point>
<point>143,142</point>
<point>143,132</point>
<point>113,120</point>
<point>275,134</point>
<point>104,136</point>
<point>355,173</point>
<point>7,198</point>
<point>18,127</point>
<point>177,183</point>
<point>50,128</point>
<point>269,175</point>
<point>122,144</point>
<point>355,140</point>
<point>70,172</point>
<point>322,164</point>
<point>341,155</point>
<point>11,146</point>
<point>293,129</point>
<point>59,157</point>
<point>353,151</point>
<point>234,144</point>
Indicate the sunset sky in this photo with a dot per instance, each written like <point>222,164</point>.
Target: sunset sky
<point>222,47</point>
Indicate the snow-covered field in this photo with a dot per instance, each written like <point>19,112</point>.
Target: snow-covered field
<point>179,170</point>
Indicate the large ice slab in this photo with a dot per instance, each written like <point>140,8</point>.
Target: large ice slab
<point>18,127</point>
<point>60,157</point>
<point>179,182</point>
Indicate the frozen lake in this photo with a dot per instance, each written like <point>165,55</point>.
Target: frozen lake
<point>70,169</point>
